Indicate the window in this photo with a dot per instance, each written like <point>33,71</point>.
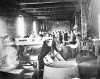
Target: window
<point>20,26</point>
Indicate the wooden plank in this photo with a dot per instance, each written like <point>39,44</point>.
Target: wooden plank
<point>47,8</point>
<point>14,71</point>
<point>46,2</point>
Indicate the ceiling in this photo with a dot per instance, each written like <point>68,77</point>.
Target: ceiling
<point>48,9</point>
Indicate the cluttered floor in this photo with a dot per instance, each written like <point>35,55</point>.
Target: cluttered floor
<point>88,69</point>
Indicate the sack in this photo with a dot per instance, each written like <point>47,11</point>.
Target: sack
<point>61,70</point>
<point>58,56</point>
<point>47,59</point>
<point>52,56</point>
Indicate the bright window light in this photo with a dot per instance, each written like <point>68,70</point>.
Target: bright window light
<point>34,27</point>
<point>20,26</point>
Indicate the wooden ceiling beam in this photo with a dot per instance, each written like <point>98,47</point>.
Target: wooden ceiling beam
<point>22,7</point>
<point>53,14</point>
<point>52,11</point>
<point>27,2</point>
<point>48,5</point>
<point>48,8</point>
<point>50,15</point>
<point>63,15</point>
<point>53,18</point>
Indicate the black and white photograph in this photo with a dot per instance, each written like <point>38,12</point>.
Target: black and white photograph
<point>49,39</point>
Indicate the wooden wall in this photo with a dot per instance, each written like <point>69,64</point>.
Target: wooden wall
<point>8,18</point>
<point>92,9</point>
<point>52,26</point>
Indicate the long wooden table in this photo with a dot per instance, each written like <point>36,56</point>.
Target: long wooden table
<point>28,41</point>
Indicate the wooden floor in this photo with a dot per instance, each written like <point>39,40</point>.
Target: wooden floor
<point>88,67</point>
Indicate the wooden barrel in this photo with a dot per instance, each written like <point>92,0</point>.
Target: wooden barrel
<point>61,70</point>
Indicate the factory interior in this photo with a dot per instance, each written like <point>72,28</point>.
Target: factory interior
<point>49,39</point>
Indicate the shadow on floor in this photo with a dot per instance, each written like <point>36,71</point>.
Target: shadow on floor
<point>88,67</point>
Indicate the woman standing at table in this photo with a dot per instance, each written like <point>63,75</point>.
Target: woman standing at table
<point>32,35</point>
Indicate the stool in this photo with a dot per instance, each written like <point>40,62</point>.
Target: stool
<point>84,47</point>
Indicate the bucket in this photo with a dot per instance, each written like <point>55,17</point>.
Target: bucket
<point>61,70</point>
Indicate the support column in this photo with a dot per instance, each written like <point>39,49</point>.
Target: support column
<point>99,24</point>
<point>83,21</point>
